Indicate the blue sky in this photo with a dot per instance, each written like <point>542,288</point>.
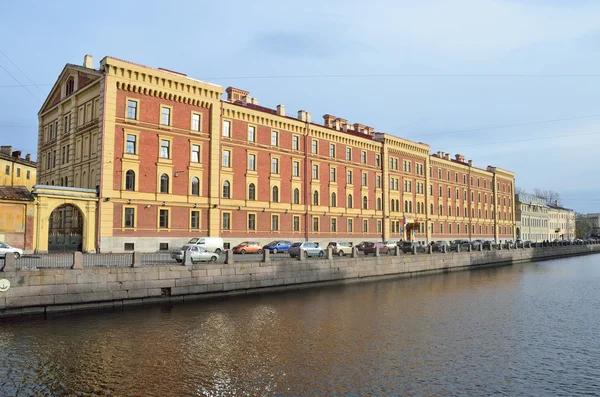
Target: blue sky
<point>459,75</point>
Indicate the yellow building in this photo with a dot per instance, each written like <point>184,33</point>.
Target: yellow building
<point>16,170</point>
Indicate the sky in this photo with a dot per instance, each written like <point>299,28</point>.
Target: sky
<point>509,83</point>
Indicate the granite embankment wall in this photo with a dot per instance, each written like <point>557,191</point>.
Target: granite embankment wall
<point>39,291</point>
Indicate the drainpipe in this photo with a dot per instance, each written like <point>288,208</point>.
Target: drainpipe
<point>99,194</point>
<point>307,189</point>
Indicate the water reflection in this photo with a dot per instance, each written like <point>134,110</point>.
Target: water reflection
<point>520,330</point>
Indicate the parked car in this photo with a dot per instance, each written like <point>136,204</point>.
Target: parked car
<point>310,248</point>
<point>464,245</point>
<point>438,246</point>
<point>476,243</point>
<point>211,244</point>
<point>340,249</point>
<point>248,247</point>
<point>369,248</point>
<point>487,244</point>
<point>518,243</point>
<point>407,247</point>
<point>197,254</point>
<point>361,245</point>
<point>8,249</point>
<point>278,246</point>
<point>392,244</point>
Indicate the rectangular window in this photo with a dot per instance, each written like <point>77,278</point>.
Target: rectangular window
<point>363,157</point>
<point>195,153</point>
<point>350,225</point>
<point>18,172</point>
<point>378,181</point>
<point>348,154</point>
<point>315,171</point>
<point>67,124</point>
<point>227,128</point>
<point>295,142</point>
<point>315,147</point>
<point>275,165</point>
<point>129,217</point>
<point>331,150</point>
<point>131,144</point>
<point>251,222</point>
<point>364,179</point>
<point>195,220</point>
<point>378,226</point>
<point>252,162</point>
<point>132,110</point>
<point>365,225</point>
<point>165,115</point>
<point>226,158</point>
<point>377,160</point>
<point>274,138</point>
<point>315,224</point>
<point>332,174</point>
<point>28,175</point>
<point>333,225</point>
<point>251,133</point>
<point>295,168</point>
<point>163,221</point>
<point>296,223</point>
<point>195,122</point>
<point>165,146</point>
<point>226,221</point>
<point>275,222</point>
<point>349,177</point>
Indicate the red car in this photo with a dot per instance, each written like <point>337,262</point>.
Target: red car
<point>369,248</point>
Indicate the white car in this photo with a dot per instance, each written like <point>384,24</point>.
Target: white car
<point>7,249</point>
<point>310,248</point>
<point>197,254</point>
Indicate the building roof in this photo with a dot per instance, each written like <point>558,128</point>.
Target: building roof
<point>19,193</point>
<point>18,159</point>
<point>558,207</point>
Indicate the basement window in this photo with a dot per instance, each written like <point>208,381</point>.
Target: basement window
<point>129,247</point>
<point>163,246</point>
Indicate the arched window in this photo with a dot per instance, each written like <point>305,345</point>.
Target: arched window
<point>226,189</point>
<point>92,179</point>
<point>84,180</point>
<point>296,196</point>
<point>398,205</point>
<point>164,183</point>
<point>315,198</point>
<point>52,182</point>
<point>349,201</point>
<point>62,181</point>
<point>66,181</point>
<point>379,203</point>
<point>130,180</point>
<point>431,209</point>
<point>441,210</point>
<point>410,206</point>
<point>333,200</point>
<point>405,205</point>
<point>275,194</point>
<point>393,206</point>
<point>251,192</point>
<point>195,186</point>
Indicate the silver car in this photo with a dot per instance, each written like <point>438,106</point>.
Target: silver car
<point>311,249</point>
<point>7,249</point>
<point>197,254</point>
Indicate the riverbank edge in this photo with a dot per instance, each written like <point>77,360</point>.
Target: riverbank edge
<point>42,292</point>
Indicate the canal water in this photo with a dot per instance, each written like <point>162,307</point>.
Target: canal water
<point>522,330</point>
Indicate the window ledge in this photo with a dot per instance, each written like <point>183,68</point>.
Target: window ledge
<point>131,121</point>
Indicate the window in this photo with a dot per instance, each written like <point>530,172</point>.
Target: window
<point>378,181</point>
<point>28,175</point>
<point>364,179</point>
<point>132,109</point>
<point>315,147</point>
<point>226,221</point>
<point>333,200</point>
<point>275,222</point>
<point>448,178</point>
<point>331,150</point>
<point>251,133</point>
<point>251,192</point>
<point>365,225</point>
<point>130,180</point>
<point>315,171</point>
<point>363,157</point>
<point>226,189</point>
<point>165,115</point>
<point>295,142</point>
<point>439,174</point>
<point>164,183</point>
<point>274,138</point>
<point>195,122</point>
<point>431,209</point>
<point>129,217</point>
<point>333,225</point>
<point>195,186</point>
<point>251,222</point>
<point>295,168</point>
<point>365,202</point>
<point>195,220</point>
<point>275,165</point>
<point>377,160</point>
<point>275,194</point>
<point>252,162</point>
<point>315,224</point>
<point>315,198</point>
<point>195,153</point>
<point>130,146</point>
<point>378,226</point>
<point>349,154</point>
<point>349,201</point>
<point>165,146</point>
<point>227,128</point>
<point>350,225</point>
<point>226,158</point>
<point>332,174</point>
<point>163,219</point>
<point>296,196</point>
<point>18,172</point>
<point>349,177</point>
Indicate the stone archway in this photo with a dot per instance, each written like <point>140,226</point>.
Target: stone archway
<point>65,229</point>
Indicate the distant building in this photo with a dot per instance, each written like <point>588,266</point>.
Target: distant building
<point>533,216</point>
<point>595,220</point>
<point>16,170</point>
<point>561,222</point>
<point>17,217</point>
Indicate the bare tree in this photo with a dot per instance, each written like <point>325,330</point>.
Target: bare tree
<point>583,226</point>
<point>550,196</point>
<point>520,190</point>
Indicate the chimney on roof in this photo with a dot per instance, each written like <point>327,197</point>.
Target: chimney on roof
<point>328,120</point>
<point>447,156</point>
<point>254,101</point>
<point>369,130</point>
<point>235,94</point>
<point>343,123</point>
<point>88,61</point>
<point>460,158</point>
<point>6,150</point>
<point>28,157</point>
<point>470,163</point>
<point>359,127</point>
<point>336,124</point>
<point>16,154</point>
<point>280,110</point>
<point>303,115</point>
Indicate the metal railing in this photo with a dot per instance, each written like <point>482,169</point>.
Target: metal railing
<point>157,259</point>
<point>45,261</point>
<point>108,260</point>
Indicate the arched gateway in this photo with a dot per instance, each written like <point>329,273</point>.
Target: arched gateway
<point>65,219</point>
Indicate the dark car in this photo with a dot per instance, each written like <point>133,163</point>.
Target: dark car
<point>438,246</point>
<point>464,245</point>
<point>487,244</point>
<point>369,248</point>
<point>407,247</point>
<point>278,246</point>
<point>361,245</point>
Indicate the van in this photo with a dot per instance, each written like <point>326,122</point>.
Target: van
<point>211,244</point>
